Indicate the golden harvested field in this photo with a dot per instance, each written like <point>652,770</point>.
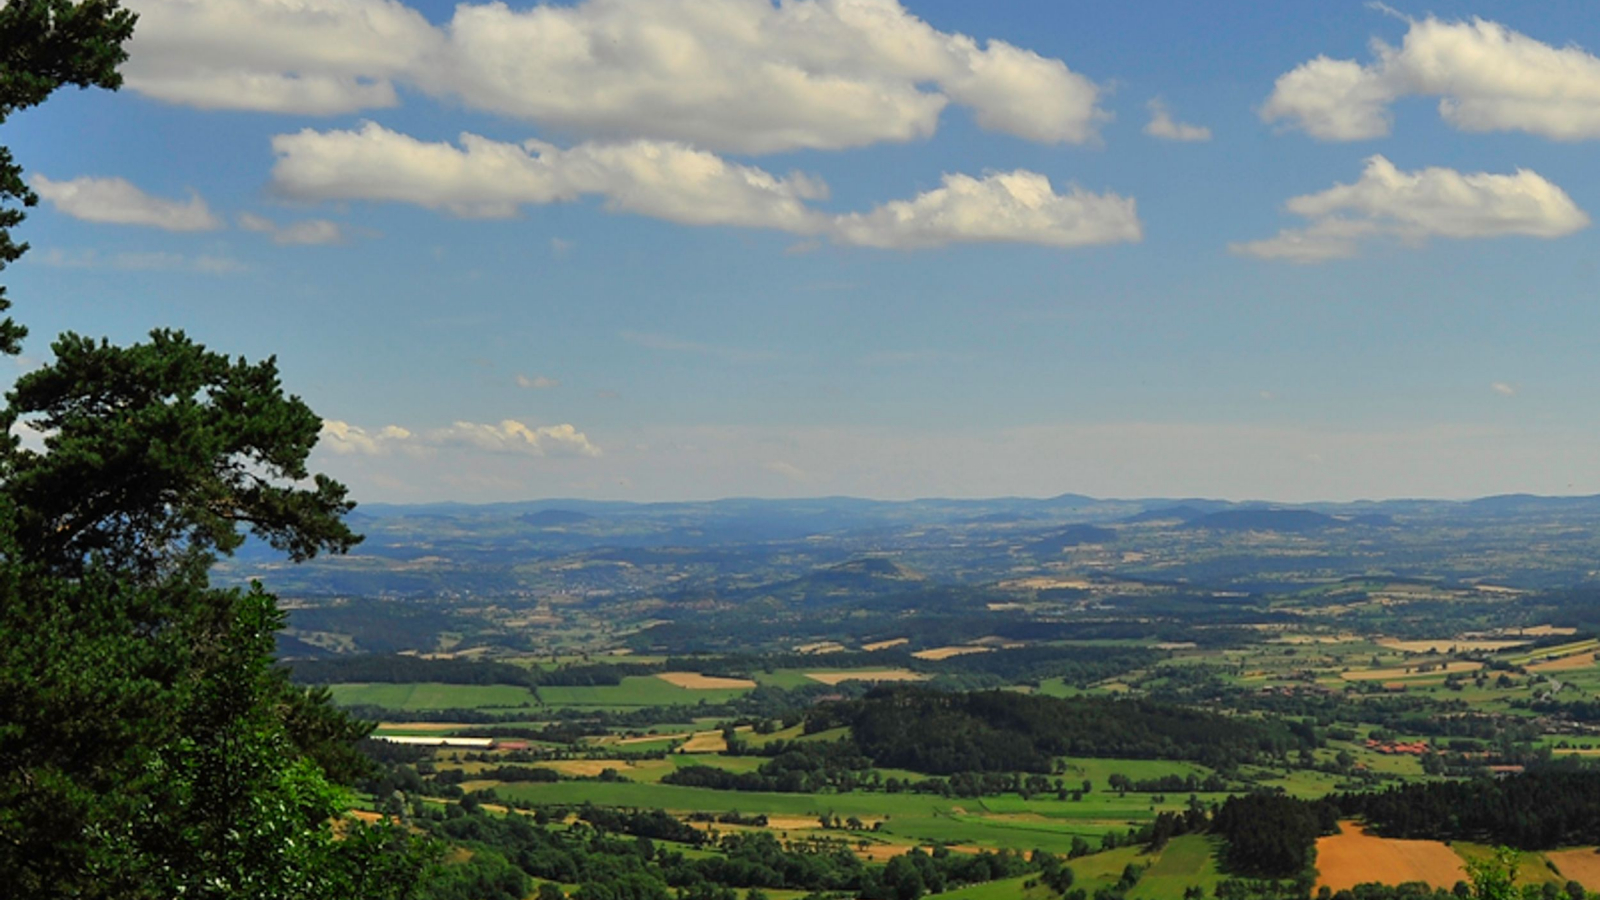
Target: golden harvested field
<point>704,742</point>
<point>1581,865</point>
<point>867,675</point>
<point>1547,630</point>
<point>792,823</point>
<point>588,768</point>
<point>1549,653</point>
<point>884,645</point>
<point>939,653</point>
<point>884,852</point>
<point>1565,663</point>
<point>776,824</point>
<point>1045,583</point>
<point>1399,672</point>
<point>641,739</point>
<point>1443,645</point>
<point>1354,857</point>
<point>694,681</point>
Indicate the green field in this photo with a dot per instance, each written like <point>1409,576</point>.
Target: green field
<point>1187,860</point>
<point>1005,889</point>
<point>1005,821</point>
<point>430,695</point>
<point>634,691</point>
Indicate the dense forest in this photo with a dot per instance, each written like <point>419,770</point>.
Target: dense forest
<point>398,668</point>
<point>1270,835</point>
<point>1003,731</point>
<point>1538,810</point>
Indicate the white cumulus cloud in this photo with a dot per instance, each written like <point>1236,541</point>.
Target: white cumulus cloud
<point>538,382</point>
<point>344,438</point>
<point>321,57</point>
<point>511,436</point>
<point>1163,126</point>
<point>1410,207</point>
<point>742,75</point>
<point>1487,78</point>
<point>484,178</point>
<point>1019,206</point>
<point>491,179</point>
<point>506,437</point>
<point>117,201</point>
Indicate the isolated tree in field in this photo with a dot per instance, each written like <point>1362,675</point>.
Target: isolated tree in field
<point>148,748</point>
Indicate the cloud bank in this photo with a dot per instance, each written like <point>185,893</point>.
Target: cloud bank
<point>736,75</point>
<point>483,178</point>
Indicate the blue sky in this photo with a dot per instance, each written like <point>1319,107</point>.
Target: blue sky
<point>859,247</point>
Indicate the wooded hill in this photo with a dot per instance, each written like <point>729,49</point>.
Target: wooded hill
<point>1004,731</point>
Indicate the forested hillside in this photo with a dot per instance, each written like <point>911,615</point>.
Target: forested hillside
<point>1002,731</point>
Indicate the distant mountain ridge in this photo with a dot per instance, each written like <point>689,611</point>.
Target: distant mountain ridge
<point>990,509</point>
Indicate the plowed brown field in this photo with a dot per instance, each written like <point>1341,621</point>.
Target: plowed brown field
<point>1354,857</point>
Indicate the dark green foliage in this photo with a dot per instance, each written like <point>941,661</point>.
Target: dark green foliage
<point>649,823</point>
<point>162,450</point>
<point>644,866</point>
<point>148,749</point>
<point>1075,664</point>
<point>1538,810</point>
<point>795,768</point>
<point>398,669</point>
<point>1272,836</point>
<point>485,876</point>
<point>405,669</point>
<point>1002,731</point>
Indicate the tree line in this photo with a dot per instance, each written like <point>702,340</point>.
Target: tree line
<point>1551,806</point>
